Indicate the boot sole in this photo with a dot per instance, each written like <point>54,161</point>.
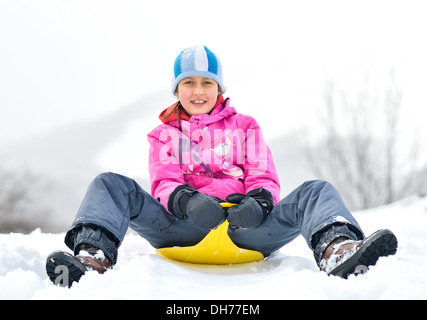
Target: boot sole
<point>63,269</point>
<point>380,244</point>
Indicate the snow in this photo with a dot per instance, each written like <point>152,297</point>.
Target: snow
<point>290,273</point>
<point>334,260</point>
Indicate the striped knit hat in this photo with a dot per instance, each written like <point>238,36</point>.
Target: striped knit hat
<point>197,61</point>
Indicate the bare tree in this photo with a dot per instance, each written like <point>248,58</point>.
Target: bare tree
<point>19,207</point>
<point>361,153</point>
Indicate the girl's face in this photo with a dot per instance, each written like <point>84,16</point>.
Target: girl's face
<point>198,95</point>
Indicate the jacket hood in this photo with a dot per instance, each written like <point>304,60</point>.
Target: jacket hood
<point>220,110</point>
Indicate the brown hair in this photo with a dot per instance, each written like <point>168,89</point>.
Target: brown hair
<point>178,109</point>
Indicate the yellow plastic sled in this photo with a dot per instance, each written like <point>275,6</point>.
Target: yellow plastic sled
<point>215,248</point>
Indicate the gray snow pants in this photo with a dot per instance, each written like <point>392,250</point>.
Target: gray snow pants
<point>114,202</point>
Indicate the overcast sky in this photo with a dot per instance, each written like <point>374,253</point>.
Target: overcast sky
<point>63,61</point>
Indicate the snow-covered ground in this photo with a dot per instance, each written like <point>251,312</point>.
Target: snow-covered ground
<point>289,274</point>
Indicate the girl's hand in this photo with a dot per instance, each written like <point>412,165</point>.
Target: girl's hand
<point>251,209</point>
<point>203,210</point>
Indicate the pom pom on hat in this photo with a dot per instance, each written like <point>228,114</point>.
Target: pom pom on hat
<point>197,61</point>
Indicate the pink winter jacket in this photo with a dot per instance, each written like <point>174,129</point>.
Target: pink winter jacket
<point>218,154</point>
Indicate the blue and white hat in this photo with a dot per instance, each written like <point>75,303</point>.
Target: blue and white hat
<point>197,61</point>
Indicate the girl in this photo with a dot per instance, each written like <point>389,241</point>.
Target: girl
<point>203,153</point>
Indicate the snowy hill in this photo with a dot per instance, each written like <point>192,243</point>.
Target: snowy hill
<point>288,274</point>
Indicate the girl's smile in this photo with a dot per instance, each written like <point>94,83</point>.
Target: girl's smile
<point>198,103</point>
<point>198,95</point>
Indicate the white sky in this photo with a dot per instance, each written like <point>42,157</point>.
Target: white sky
<point>63,61</point>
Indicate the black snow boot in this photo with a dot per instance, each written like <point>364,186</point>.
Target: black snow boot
<point>63,268</point>
<point>344,257</point>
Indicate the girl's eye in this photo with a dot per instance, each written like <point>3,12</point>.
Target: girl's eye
<point>208,83</point>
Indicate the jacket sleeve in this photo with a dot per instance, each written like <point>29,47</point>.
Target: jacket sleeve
<point>259,167</point>
<point>164,167</point>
